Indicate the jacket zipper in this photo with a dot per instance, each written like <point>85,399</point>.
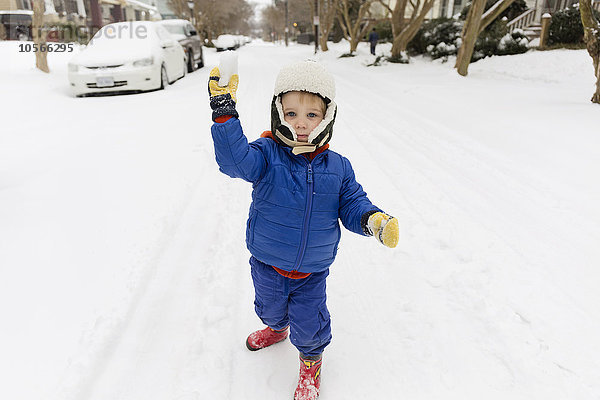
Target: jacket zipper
<point>307,212</point>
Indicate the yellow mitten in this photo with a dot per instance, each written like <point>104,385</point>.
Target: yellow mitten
<point>385,228</point>
<point>222,98</point>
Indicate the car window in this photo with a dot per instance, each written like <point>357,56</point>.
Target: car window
<point>121,32</point>
<point>162,33</point>
<point>177,29</point>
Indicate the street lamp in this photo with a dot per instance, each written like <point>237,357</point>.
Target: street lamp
<point>191,6</point>
<point>316,23</point>
<point>287,29</point>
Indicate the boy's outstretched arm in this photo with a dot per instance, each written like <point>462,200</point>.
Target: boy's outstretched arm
<point>359,215</point>
<point>235,156</point>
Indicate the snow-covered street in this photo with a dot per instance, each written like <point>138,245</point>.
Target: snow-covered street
<point>124,273</point>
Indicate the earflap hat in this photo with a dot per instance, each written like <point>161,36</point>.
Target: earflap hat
<point>304,76</point>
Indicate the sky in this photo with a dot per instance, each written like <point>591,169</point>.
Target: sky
<point>262,2</point>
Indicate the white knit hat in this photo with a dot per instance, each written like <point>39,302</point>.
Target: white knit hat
<point>305,76</point>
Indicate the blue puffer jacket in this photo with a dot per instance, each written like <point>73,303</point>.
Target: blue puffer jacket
<point>296,204</point>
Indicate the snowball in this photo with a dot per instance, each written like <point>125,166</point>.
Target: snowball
<point>228,65</point>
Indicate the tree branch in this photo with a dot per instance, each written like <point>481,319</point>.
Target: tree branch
<point>490,15</point>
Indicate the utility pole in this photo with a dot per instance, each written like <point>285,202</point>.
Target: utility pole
<point>287,29</point>
<point>191,7</point>
<point>316,23</point>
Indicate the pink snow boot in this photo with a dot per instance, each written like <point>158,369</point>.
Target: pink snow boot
<point>310,378</point>
<point>264,338</point>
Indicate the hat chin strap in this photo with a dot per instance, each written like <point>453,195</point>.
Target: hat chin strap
<point>297,147</point>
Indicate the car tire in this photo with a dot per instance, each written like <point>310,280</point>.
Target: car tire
<point>201,62</point>
<point>164,79</point>
<point>191,65</point>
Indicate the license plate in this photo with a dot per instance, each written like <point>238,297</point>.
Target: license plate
<point>105,81</point>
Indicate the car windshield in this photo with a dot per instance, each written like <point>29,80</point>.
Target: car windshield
<point>121,31</point>
<point>177,29</point>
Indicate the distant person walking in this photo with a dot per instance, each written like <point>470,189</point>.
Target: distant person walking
<point>373,38</point>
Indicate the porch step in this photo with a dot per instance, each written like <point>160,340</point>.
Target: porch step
<point>533,31</point>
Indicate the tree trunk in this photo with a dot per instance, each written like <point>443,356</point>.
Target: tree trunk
<point>399,46</point>
<point>404,31</point>
<point>353,44</point>
<point>412,28</point>
<point>329,11</point>
<point>591,29</point>
<point>352,27</point>
<point>39,36</point>
<point>469,37</point>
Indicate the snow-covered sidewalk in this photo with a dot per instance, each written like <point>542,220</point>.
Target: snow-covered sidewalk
<point>123,270</point>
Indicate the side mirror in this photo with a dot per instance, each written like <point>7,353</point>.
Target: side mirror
<point>167,43</point>
<point>193,33</point>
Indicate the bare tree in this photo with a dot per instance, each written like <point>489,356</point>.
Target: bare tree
<point>404,29</point>
<point>300,14</point>
<point>476,22</point>
<point>494,12</point>
<point>355,25</point>
<point>238,15</point>
<point>591,29</point>
<point>39,36</point>
<point>214,17</point>
<point>328,10</point>
<point>469,37</point>
<point>273,20</point>
<point>181,8</point>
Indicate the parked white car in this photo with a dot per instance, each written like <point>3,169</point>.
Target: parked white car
<point>127,56</point>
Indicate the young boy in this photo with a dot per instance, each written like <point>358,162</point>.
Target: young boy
<point>300,191</point>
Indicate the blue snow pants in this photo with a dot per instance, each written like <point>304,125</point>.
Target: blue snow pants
<point>299,303</point>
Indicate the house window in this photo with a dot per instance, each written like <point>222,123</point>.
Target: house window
<point>25,4</point>
<point>71,6</point>
<point>443,8</point>
<point>458,6</point>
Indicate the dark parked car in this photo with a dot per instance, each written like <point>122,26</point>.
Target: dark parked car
<point>184,32</point>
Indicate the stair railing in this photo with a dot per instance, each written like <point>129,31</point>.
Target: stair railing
<point>550,6</point>
<point>522,21</point>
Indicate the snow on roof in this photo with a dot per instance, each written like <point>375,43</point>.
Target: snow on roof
<point>141,4</point>
<point>17,12</point>
<point>177,21</point>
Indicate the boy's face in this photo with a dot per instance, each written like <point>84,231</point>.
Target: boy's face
<point>303,111</point>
